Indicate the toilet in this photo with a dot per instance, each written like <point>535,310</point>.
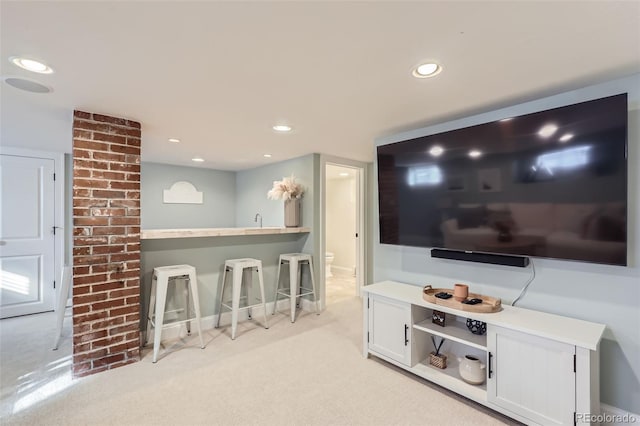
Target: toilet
<point>328,260</point>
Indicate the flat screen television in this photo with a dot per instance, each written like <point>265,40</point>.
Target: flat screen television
<point>549,184</point>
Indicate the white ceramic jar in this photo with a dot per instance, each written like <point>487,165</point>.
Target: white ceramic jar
<point>472,370</point>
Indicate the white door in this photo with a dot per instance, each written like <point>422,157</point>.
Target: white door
<point>532,376</point>
<point>390,328</point>
<point>27,241</point>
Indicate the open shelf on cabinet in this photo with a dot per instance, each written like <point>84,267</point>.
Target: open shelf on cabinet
<point>456,331</point>
<point>450,378</point>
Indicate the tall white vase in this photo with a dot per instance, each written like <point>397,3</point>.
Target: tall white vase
<point>292,213</point>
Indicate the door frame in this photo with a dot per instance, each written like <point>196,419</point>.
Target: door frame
<point>58,207</point>
<point>361,221</point>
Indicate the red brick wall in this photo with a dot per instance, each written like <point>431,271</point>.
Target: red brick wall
<point>106,242</point>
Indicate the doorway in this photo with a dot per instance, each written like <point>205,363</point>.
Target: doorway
<point>30,235</point>
<point>343,225</point>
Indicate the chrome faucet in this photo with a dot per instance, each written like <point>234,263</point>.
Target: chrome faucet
<point>258,216</point>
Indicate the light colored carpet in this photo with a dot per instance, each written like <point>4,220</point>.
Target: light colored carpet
<point>29,368</point>
<point>311,372</point>
<point>340,286</point>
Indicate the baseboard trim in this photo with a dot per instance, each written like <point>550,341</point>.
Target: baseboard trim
<point>176,331</point>
<point>615,416</point>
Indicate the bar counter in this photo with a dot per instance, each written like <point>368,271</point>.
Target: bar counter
<point>156,234</point>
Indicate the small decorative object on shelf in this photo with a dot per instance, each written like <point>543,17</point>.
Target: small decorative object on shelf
<point>438,317</point>
<point>472,370</point>
<point>476,327</point>
<point>436,358</point>
<point>290,191</point>
<point>460,292</point>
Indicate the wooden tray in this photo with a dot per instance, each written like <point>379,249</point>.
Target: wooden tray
<point>488,305</point>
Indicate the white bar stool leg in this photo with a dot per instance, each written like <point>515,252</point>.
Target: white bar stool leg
<point>264,305</point>
<point>313,287</point>
<point>235,302</point>
<point>293,286</point>
<point>247,284</point>
<point>152,307</point>
<point>275,299</point>
<point>224,276</point>
<point>193,283</point>
<point>62,303</point>
<point>162,283</point>
<point>299,286</point>
<point>187,286</point>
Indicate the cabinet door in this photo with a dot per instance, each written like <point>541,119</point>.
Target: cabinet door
<point>532,376</point>
<point>390,328</point>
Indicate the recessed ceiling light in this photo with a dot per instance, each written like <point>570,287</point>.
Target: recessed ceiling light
<point>266,155</point>
<point>27,85</point>
<point>436,150</point>
<point>174,140</point>
<point>506,119</point>
<point>425,70</point>
<point>475,153</point>
<point>31,65</point>
<point>547,130</point>
<point>345,174</point>
<point>282,128</point>
<point>197,159</point>
<point>566,137</point>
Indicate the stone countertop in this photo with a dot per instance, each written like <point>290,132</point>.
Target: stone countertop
<point>155,234</point>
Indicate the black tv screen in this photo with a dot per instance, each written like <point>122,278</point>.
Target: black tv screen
<point>549,184</point>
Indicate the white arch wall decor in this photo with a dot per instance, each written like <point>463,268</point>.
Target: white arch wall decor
<point>182,193</point>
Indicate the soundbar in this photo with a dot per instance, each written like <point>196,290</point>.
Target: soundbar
<point>469,256</point>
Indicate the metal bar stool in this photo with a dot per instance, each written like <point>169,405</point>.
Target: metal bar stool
<point>162,277</point>
<point>295,290</point>
<point>237,267</point>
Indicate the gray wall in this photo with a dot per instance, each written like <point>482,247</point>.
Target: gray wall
<point>599,293</point>
<point>219,196</point>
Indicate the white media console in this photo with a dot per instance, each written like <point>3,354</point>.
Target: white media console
<point>542,369</point>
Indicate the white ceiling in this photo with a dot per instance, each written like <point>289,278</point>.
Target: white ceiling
<point>218,75</point>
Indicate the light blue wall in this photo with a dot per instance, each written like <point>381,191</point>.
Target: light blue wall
<point>219,196</point>
<point>252,186</point>
<point>231,199</point>
<point>208,256</point>
<point>598,293</point>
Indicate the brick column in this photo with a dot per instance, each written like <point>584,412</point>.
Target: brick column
<point>106,242</point>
